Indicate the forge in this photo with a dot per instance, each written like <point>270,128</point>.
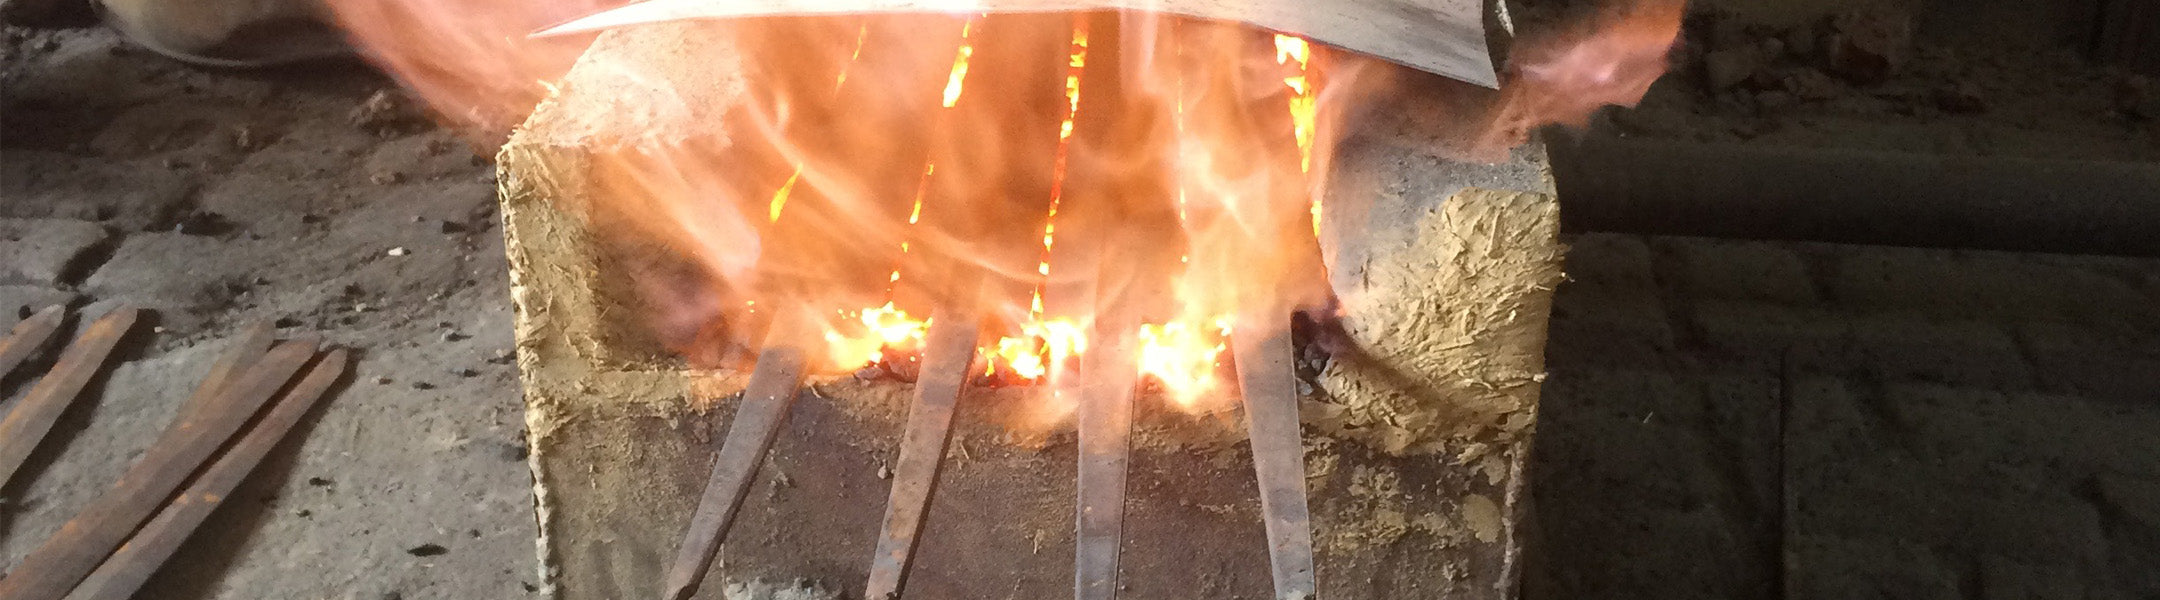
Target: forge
<point>995,250</point>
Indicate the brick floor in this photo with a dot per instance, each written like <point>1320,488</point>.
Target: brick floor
<point>1730,419</point>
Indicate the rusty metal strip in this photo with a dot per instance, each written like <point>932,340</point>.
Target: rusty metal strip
<point>81,544</point>
<point>1105,422</point>
<point>123,573</point>
<point>947,356</point>
<point>1269,385</point>
<point>253,343</point>
<point>28,336</point>
<point>34,415</point>
<point>757,422</point>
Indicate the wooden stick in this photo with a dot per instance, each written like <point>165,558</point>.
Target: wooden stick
<point>946,363</point>
<point>28,336</point>
<point>1269,384</point>
<point>124,572</point>
<point>34,415</point>
<point>757,422</point>
<point>84,541</point>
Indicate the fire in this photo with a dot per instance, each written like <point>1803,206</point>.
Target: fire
<point>1304,104</point>
<point>1183,357</point>
<point>884,330</point>
<point>1038,171</point>
<point>958,79</point>
<point>1563,74</point>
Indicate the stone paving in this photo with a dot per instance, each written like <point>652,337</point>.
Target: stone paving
<point>1733,419</point>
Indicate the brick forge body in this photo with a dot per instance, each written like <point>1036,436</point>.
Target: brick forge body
<point>1416,432</point>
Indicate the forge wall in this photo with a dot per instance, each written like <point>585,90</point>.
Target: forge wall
<point>1444,267</point>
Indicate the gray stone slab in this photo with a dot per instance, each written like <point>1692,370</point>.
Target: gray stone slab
<point>44,251</point>
<point>16,300</point>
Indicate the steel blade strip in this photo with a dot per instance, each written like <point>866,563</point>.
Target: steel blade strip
<point>123,573</point>
<point>28,336</point>
<point>1105,422</point>
<point>1268,382</point>
<point>33,416</point>
<point>765,401</point>
<point>947,359</point>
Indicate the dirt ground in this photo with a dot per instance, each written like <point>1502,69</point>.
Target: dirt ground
<point>313,196</point>
<point>222,198</point>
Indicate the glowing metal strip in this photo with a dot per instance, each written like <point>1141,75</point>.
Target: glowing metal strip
<point>758,418</point>
<point>947,356</point>
<point>1269,386</point>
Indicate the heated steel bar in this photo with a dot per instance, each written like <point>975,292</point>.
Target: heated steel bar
<point>758,418</point>
<point>123,573</point>
<point>948,355</point>
<point>1105,422</point>
<point>81,544</point>
<point>34,414</point>
<point>27,336</point>
<point>1268,383</point>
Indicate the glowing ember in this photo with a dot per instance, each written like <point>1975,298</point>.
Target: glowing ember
<point>883,329</point>
<point>1183,357</point>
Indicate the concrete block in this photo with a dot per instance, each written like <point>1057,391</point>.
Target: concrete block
<point>1758,334</point>
<point>1904,501</point>
<point>2066,431</point>
<point>2005,579</point>
<point>2102,363</point>
<point>1614,260</point>
<point>1613,550</point>
<point>1598,326</point>
<point>1973,353</point>
<point>1833,568</point>
<point>1985,285</point>
<point>45,251</point>
<point>1769,272</point>
<point>2136,499</point>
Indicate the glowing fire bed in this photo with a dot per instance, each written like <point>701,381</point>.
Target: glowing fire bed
<point>1127,229</point>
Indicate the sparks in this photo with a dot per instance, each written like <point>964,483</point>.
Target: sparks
<point>1304,104</point>
<point>955,82</point>
<point>780,196</point>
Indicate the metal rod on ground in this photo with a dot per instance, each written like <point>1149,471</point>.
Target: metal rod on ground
<point>1269,385</point>
<point>1105,416</point>
<point>82,543</point>
<point>33,416</point>
<point>28,335</point>
<point>757,422</point>
<point>947,356</point>
<point>123,573</point>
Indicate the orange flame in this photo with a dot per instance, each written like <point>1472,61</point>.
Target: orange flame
<point>1000,164</point>
<point>1564,74</point>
